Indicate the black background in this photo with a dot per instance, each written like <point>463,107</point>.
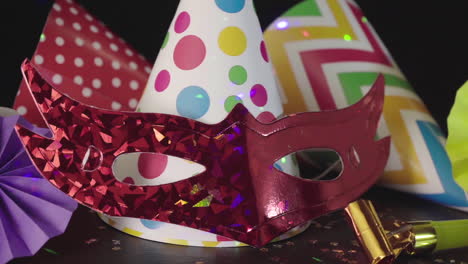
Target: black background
<point>428,39</point>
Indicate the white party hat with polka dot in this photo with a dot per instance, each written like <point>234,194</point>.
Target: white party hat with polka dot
<point>213,57</point>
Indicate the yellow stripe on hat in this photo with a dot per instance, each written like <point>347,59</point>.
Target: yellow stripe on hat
<point>181,242</point>
<point>132,232</point>
<point>210,243</point>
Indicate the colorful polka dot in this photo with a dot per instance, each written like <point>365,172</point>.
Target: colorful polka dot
<point>232,41</point>
<point>151,224</point>
<point>193,102</point>
<point>231,6</point>
<point>189,53</point>
<point>182,22</point>
<point>264,51</point>
<point>166,39</point>
<point>238,75</point>
<point>231,102</point>
<point>266,117</point>
<point>162,81</point>
<point>259,95</point>
<point>278,167</point>
<point>151,166</point>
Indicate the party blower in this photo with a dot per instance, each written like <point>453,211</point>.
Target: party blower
<point>326,56</point>
<point>212,59</point>
<point>384,241</point>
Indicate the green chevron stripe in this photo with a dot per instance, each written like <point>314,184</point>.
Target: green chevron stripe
<point>305,8</point>
<point>353,81</point>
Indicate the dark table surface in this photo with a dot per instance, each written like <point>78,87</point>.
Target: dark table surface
<point>329,240</point>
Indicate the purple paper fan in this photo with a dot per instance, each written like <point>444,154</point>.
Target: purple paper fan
<point>31,209</point>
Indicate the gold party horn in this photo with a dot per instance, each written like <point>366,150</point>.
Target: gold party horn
<point>382,242</point>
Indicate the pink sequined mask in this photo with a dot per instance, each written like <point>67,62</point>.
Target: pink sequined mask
<point>240,195</point>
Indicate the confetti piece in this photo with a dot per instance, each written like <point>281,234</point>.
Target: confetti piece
<point>277,246</point>
<point>91,241</point>
<point>199,262</point>
<point>115,242</point>
<point>116,248</point>
<point>317,259</point>
<point>48,250</point>
<point>335,244</point>
<point>290,243</point>
<point>264,250</point>
<point>101,227</point>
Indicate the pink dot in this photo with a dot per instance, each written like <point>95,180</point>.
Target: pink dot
<point>266,117</point>
<point>182,22</point>
<point>264,51</point>
<point>259,95</point>
<point>162,81</point>
<point>152,166</point>
<point>189,53</point>
<point>129,180</point>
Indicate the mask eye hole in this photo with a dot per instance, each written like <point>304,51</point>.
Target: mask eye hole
<point>312,164</point>
<point>149,169</point>
<point>92,159</point>
<point>353,157</point>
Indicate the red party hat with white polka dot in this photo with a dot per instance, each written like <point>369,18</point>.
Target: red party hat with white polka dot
<point>84,59</point>
<point>213,57</point>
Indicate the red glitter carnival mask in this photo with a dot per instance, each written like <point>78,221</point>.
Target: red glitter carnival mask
<point>240,195</point>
